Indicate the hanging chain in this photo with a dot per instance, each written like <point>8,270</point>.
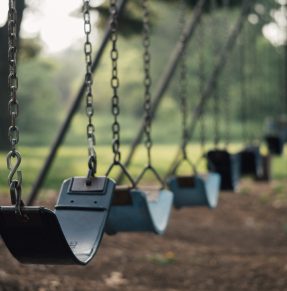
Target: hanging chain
<point>242,85</point>
<point>216,113</point>
<point>226,98</point>
<point>13,108</point>
<point>202,83</point>
<point>183,80</point>
<point>92,162</point>
<point>115,81</point>
<point>147,79</point>
<point>216,106</point>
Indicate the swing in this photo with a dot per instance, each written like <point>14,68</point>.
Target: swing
<point>251,161</point>
<point>191,190</point>
<point>134,208</point>
<point>265,173</point>
<point>275,144</point>
<point>194,190</point>
<point>227,165</point>
<point>144,209</point>
<point>72,233</point>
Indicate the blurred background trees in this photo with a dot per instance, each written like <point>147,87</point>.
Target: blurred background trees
<point>48,81</point>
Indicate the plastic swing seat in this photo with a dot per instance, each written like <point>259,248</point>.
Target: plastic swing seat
<point>194,190</point>
<point>139,209</point>
<point>275,144</point>
<point>227,165</point>
<point>70,235</point>
<point>265,174</point>
<point>197,190</point>
<point>251,161</point>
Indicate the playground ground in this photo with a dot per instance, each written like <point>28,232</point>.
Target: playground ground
<point>241,245</point>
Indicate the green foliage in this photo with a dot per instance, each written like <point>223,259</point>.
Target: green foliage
<point>48,86</point>
<point>38,99</point>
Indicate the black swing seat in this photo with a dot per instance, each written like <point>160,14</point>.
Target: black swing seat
<point>227,165</point>
<point>70,235</point>
<point>139,210</point>
<point>275,144</point>
<point>196,190</point>
<point>251,161</point>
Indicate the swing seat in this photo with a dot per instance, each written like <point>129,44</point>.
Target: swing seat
<point>251,161</point>
<point>227,166</point>
<point>70,235</point>
<point>197,190</point>
<point>139,210</point>
<point>275,144</point>
<point>265,175</point>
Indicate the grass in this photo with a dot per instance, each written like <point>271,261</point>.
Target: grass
<point>71,161</point>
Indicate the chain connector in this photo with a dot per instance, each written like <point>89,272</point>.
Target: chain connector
<point>15,194</point>
<point>14,168</point>
<point>92,164</point>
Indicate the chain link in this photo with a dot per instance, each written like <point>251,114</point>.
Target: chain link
<point>183,80</point>
<point>147,78</point>
<point>13,104</point>
<point>115,83</point>
<point>90,129</point>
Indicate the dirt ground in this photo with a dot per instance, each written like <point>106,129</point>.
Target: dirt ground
<point>241,245</point>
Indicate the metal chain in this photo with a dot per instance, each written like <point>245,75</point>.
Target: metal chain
<point>216,116</point>
<point>115,83</point>
<point>202,80</point>
<point>13,104</point>
<point>242,85</point>
<point>147,79</point>
<point>226,100</point>
<point>216,107</point>
<point>183,80</point>
<point>92,162</point>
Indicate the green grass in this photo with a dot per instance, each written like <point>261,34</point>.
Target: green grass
<point>71,161</point>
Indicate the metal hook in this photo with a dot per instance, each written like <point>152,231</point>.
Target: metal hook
<point>14,169</point>
<point>92,164</point>
<point>16,192</point>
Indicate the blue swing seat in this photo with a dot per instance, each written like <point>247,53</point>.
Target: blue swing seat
<point>251,161</point>
<point>227,165</point>
<point>139,210</point>
<point>197,190</point>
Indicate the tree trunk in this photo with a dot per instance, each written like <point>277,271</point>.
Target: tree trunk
<point>4,93</point>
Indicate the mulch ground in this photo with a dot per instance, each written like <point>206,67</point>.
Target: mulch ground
<point>241,245</point>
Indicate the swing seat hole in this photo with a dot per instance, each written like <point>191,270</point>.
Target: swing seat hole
<point>72,201</point>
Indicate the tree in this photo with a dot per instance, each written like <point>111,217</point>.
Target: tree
<point>4,118</point>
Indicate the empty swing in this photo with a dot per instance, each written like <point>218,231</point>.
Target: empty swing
<point>220,160</point>
<point>251,160</point>
<point>194,189</point>
<point>276,134</point>
<point>135,208</point>
<point>72,233</point>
